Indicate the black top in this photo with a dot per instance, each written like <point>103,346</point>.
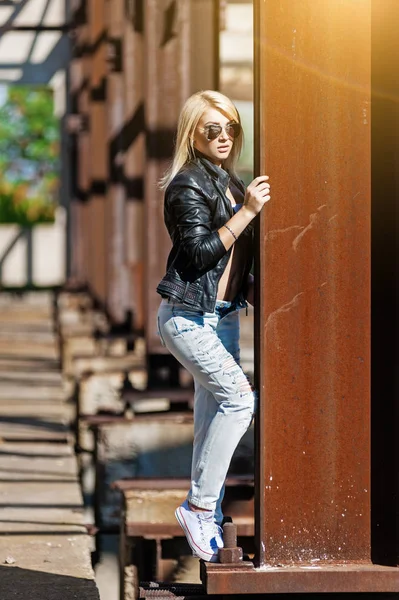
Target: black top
<point>195,208</point>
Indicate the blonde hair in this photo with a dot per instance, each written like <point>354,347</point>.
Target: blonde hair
<point>191,113</point>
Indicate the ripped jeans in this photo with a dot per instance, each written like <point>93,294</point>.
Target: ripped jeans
<point>207,345</point>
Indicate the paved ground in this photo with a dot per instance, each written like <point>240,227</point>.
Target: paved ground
<point>44,548</point>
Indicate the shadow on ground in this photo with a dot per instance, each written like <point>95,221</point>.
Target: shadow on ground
<point>21,584</point>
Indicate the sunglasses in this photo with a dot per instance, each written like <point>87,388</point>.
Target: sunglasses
<point>212,132</point>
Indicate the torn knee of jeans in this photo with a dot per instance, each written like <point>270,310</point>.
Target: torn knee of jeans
<point>229,364</point>
<point>246,387</point>
<point>232,370</point>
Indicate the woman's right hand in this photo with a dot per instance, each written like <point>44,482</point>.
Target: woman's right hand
<point>257,194</point>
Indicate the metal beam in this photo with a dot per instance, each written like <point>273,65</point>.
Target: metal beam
<point>313,131</point>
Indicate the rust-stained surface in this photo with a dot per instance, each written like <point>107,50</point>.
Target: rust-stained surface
<point>149,512</point>
<point>167,56</point>
<point>125,485</point>
<point>314,371</point>
<point>148,515</point>
<point>79,143</point>
<point>231,553</point>
<point>312,578</point>
<point>204,45</point>
<point>313,509</point>
<point>134,156</point>
<point>146,505</point>
<point>97,157</point>
<point>117,272</point>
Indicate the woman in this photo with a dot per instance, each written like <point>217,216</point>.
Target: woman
<point>209,214</point>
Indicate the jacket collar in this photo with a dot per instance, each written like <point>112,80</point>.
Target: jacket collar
<point>213,170</point>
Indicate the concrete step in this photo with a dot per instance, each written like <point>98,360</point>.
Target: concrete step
<point>44,546</point>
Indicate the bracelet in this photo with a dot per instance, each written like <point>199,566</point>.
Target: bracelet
<point>231,231</point>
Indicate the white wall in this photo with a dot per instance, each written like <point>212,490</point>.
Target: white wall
<point>49,247</point>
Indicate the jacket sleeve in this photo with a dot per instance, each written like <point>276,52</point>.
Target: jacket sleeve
<point>191,217</point>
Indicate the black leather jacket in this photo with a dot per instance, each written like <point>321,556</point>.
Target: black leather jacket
<point>196,206</point>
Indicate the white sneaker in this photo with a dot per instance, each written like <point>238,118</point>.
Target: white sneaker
<point>202,533</point>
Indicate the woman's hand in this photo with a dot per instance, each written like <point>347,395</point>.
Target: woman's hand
<point>257,194</point>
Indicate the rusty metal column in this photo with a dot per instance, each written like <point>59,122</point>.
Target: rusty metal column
<point>117,275</point>
<point>167,84</point>
<point>77,127</point>
<point>204,45</point>
<point>313,469</point>
<point>315,319</point>
<point>314,500</point>
<point>98,149</point>
<point>134,148</point>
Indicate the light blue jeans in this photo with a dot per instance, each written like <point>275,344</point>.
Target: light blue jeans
<point>207,345</point>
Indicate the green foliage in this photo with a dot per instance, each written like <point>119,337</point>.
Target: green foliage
<point>29,156</point>
<point>15,207</point>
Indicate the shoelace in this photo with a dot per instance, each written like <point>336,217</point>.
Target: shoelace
<point>208,528</point>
